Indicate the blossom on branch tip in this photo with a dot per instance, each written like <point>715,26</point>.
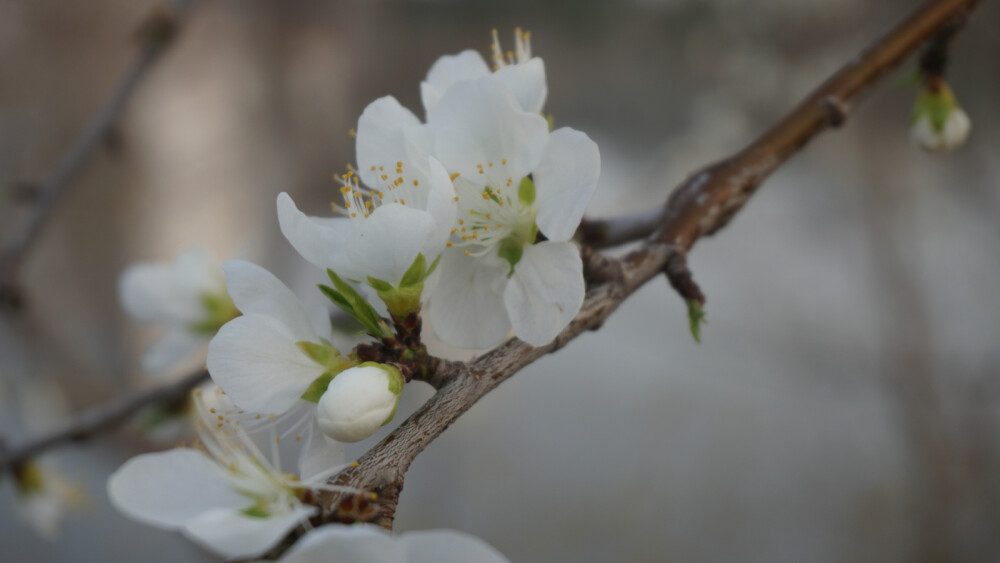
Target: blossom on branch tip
<point>514,180</point>
<point>187,296</point>
<point>365,543</point>
<point>939,123</point>
<point>226,496</point>
<point>359,401</point>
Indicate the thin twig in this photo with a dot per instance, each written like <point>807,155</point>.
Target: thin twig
<point>155,34</point>
<point>616,231</point>
<point>102,417</point>
<point>701,205</point>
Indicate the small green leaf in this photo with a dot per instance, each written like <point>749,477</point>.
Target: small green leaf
<point>433,267</point>
<point>358,307</point>
<point>415,273</point>
<point>696,316</point>
<point>526,191</point>
<point>337,299</point>
<point>317,388</point>
<point>379,285</point>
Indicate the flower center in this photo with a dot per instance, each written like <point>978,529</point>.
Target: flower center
<point>520,54</point>
<point>495,214</point>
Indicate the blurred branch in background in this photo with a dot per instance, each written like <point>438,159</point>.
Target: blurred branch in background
<point>700,206</point>
<point>103,417</point>
<point>154,34</point>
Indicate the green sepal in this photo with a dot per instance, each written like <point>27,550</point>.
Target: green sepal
<point>318,387</point>
<point>526,191</point>
<point>696,316</point>
<point>936,105</point>
<point>219,310</point>
<point>379,285</point>
<point>352,303</point>
<point>256,511</point>
<point>433,267</point>
<point>416,273</point>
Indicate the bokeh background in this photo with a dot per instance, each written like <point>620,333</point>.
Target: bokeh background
<point>843,405</point>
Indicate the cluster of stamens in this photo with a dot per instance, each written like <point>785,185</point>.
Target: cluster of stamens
<point>520,54</point>
<point>392,186</point>
<point>487,214</point>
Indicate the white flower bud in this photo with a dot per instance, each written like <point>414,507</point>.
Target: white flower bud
<point>359,401</point>
<point>952,135</point>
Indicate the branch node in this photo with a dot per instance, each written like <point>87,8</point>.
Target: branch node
<point>681,279</point>
<point>836,110</point>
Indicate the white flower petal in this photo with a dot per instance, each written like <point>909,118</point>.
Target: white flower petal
<point>320,240</point>
<point>175,345</point>
<point>449,69</point>
<point>234,535</point>
<point>527,82</point>
<point>441,205</point>
<point>256,361</point>
<point>320,455</point>
<point>256,291</point>
<point>389,133</point>
<point>467,308</point>
<point>448,546</point>
<point>385,244</point>
<point>565,181</point>
<point>480,122</point>
<point>545,292</point>
<point>167,489</point>
<point>359,543</point>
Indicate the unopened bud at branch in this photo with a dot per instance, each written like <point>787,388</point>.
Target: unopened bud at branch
<point>359,401</point>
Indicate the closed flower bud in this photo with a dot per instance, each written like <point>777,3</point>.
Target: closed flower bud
<point>939,123</point>
<point>359,401</point>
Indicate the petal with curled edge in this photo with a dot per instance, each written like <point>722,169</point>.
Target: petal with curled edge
<point>256,291</point>
<point>320,240</point>
<point>168,489</point>
<point>256,360</point>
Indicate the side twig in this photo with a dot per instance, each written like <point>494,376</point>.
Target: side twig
<point>155,34</point>
<point>100,418</point>
<point>700,206</point>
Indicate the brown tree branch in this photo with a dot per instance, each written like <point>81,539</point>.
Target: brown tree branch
<point>700,206</point>
<point>100,418</point>
<point>155,33</point>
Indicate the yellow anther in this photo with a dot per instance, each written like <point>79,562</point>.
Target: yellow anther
<point>453,176</point>
<point>461,221</point>
<point>257,417</point>
<point>354,464</point>
<point>456,198</point>
<point>503,161</point>
<point>385,176</point>
<point>448,244</point>
<point>416,183</point>
<point>352,132</point>
<point>490,164</point>
<point>467,253</point>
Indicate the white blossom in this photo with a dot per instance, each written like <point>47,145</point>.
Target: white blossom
<point>227,496</point>
<point>367,543</point>
<point>187,296</point>
<point>359,401</point>
<point>514,180</point>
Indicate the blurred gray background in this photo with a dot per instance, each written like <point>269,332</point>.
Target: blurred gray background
<point>843,403</point>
